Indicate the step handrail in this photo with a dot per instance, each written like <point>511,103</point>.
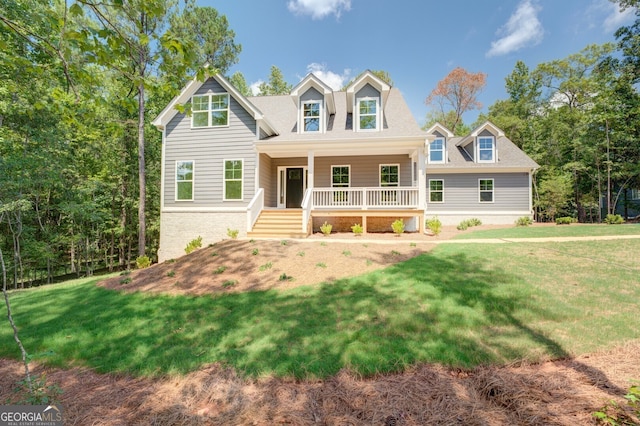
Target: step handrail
<point>254,208</point>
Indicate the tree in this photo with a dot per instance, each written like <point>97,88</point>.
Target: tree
<point>240,83</point>
<point>447,119</point>
<point>458,91</point>
<point>276,84</point>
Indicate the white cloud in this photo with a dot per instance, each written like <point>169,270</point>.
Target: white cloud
<point>318,9</point>
<point>255,87</point>
<point>521,30</point>
<point>614,18</point>
<point>330,78</point>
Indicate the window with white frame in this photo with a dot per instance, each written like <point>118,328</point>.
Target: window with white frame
<point>485,187</point>
<point>311,116</point>
<point>436,151</point>
<point>389,175</point>
<point>635,194</point>
<point>210,110</point>
<point>367,114</point>
<point>233,179</point>
<point>436,190</point>
<point>184,180</point>
<point>486,149</point>
<point>340,178</point>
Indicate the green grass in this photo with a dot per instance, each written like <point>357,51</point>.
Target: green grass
<point>574,230</point>
<point>458,305</point>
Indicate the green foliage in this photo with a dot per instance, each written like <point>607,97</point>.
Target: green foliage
<point>232,233</point>
<point>565,220</point>
<point>266,266</point>
<point>255,252</point>
<point>171,273</point>
<point>220,269</point>
<point>193,245</point>
<point>301,253</point>
<point>143,262</point>
<point>398,227</point>
<point>229,283</point>
<point>326,228</point>
<point>41,393</point>
<point>276,85</point>
<point>614,415</point>
<point>524,221</point>
<point>346,252</point>
<point>357,229</point>
<point>434,225</point>
<point>126,280</point>
<point>613,219</point>
<point>468,223</point>
<point>285,277</point>
<point>321,265</point>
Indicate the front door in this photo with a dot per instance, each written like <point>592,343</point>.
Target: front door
<point>294,187</point>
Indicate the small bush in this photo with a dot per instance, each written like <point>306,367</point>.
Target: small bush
<point>468,223</point>
<point>326,228</point>
<point>434,225</point>
<point>301,253</point>
<point>524,221</point>
<point>229,283</point>
<point>566,220</point>
<point>474,222</point>
<point>357,229</point>
<point>462,226</point>
<point>614,414</point>
<point>285,277</point>
<point>193,245</point>
<point>126,280</point>
<point>143,262</point>
<point>171,273</point>
<point>220,269</point>
<point>266,266</point>
<point>255,252</point>
<point>614,219</point>
<point>232,233</point>
<point>321,265</point>
<point>398,227</point>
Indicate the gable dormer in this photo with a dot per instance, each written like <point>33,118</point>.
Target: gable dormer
<point>481,144</point>
<point>315,103</point>
<point>366,97</point>
<point>437,137</point>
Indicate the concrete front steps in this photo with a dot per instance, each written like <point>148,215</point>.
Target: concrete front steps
<point>284,223</point>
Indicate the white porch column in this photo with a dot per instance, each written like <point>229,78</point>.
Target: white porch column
<point>310,170</point>
<point>422,180</point>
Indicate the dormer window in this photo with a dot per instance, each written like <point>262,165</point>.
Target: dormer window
<point>311,116</point>
<point>486,149</point>
<point>210,110</point>
<point>436,151</point>
<point>367,114</point>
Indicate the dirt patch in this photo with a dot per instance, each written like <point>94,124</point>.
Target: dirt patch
<point>564,392</point>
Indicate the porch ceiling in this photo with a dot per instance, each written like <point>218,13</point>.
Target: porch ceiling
<point>339,148</point>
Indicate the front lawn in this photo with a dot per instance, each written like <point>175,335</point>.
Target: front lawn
<point>544,231</point>
<point>459,305</point>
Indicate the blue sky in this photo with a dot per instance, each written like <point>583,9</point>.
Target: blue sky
<point>417,42</point>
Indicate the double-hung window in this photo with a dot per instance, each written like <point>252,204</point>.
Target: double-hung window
<point>436,190</point>
<point>233,179</point>
<point>389,178</point>
<point>311,116</point>
<point>436,151</point>
<point>340,178</point>
<point>210,110</point>
<point>486,150</point>
<point>367,114</point>
<point>485,187</point>
<point>184,180</point>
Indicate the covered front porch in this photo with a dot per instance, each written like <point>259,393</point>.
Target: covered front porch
<point>341,182</point>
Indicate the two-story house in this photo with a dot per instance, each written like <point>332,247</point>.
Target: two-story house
<point>281,166</point>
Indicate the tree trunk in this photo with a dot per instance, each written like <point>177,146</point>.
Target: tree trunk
<point>141,173</point>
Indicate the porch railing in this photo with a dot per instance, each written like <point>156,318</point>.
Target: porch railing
<point>365,198</point>
<point>306,209</point>
<point>254,208</point>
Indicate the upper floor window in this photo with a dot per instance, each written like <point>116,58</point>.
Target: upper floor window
<point>210,110</point>
<point>311,116</point>
<point>436,151</point>
<point>486,149</point>
<point>184,180</point>
<point>367,114</point>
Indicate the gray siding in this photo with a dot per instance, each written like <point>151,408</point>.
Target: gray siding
<point>368,91</point>
<point>267,181</point>
<point>209,147</point>
<point>461,193</point>
<point>365,171</point>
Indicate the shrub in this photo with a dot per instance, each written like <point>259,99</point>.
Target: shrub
<point>255,252</point>
<point>474,222</point>
<point>357,229</point>
<point>229,283</point>
<point>434,225</point>
<point>565,220</point>
<point>614,219</point>
<point>398,226</point>
<point>143,262</point>
<point>193,245</point>
<point>220,269</point>
<point>171,273</point>
<point>462,226</point>
<point>285,277</point>
<point>232,233</point>
<point>524,221</point>
<point>326,228</point>
<point>468,223</point>
<point>614,414</point>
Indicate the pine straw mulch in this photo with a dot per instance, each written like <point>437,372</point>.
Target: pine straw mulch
<point>563,392</point>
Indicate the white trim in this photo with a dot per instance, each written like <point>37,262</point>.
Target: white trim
<point>380,166</point>
<point>163,168</point>
<point>429,186</point>
<point>479,212</point>
<point>331,174</point>
<point>443,150</point>
<point>210,110</point>
<point>493,170</point>
<point>378,114</point>
<point>198,209</point>
<point>224,180</point>
<point>493,149</point>
<point>193,180</point>
<point>301,128</point>
<point>493,191</point>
